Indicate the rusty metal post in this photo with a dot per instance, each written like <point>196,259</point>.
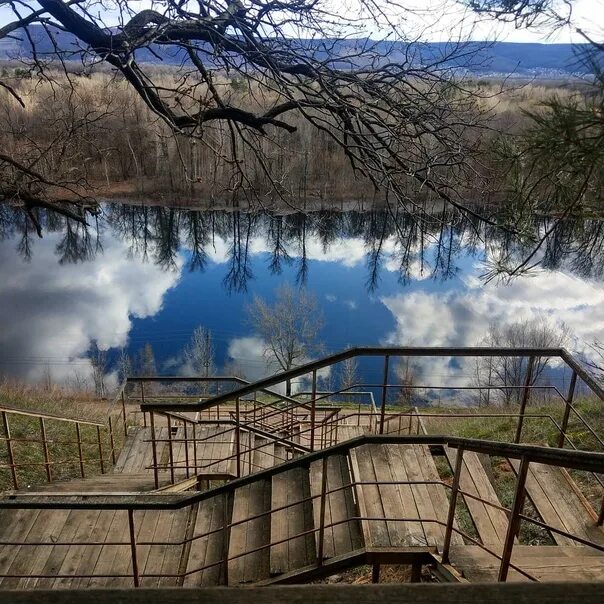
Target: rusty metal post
<point>384,393</point>
<point>313,410</point>
<point>195,447</point>
<point>45,450</point>
<point>514,519</point>
<point>525,397</point>
<point>188,474</point>
<point>124,414</point>
<point>111,441</point>
<point>452,505</point>
<point>601,514</point>
<point>322,512</point>
<point>237,437</point>
<point>375,573</point>
<point>79,437</point>
<point>170,450</point>
<point>142,392</point>
<point>9,450</point>
<point>133,548</point>
<point>154,450</point>
<point>569,402</point>
<point>225,538</point>
<point>100,444</point>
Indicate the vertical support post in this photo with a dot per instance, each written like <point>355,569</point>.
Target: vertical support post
<point>288,387</point>
<point>142,393</point>
<point>452,505</point>
<point>313,410</point>
<point>514,521</point>
<point>384,393</point>
<point>525,397</point>
<point>322,512</point>
<point>45,450</point>
<point>111,441</point>
<point>124,413</point>
<point>569,402</point>
<point>195,447</point>
<point>170,449</point>
<point>9,449</point>
<point>601,514</point>
<point>416,572</point>
<point>133,548</point>
<point>79,437</point>
<point>225,537</point>
<point>154,450</point>
<point>237,437</point>
<point>187,472</point>
<point>375,573</point>
<point>100,444</point>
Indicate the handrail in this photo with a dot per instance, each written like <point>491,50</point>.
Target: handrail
<point>578,460</point>
<point>391,351</point>
<point>45,415</point>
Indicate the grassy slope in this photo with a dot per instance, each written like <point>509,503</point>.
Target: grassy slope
<point>61,436</point>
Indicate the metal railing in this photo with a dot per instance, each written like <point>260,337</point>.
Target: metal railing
<point>526,454</point>
<point>67,446</point>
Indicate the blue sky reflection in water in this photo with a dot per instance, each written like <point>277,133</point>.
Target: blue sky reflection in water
<point>60,293</point>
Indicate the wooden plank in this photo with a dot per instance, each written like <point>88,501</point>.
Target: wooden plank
<point>173,553</point>
<point>545,563</point>
<point>249,501</point>
<point>209,549</point>
<point>559,504</point>
<point>375,532</point>
<point>491,524</point>
<point>264,455</point>
<point>291,488</point>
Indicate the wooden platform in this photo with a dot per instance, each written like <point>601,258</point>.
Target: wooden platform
<point>544,562</point>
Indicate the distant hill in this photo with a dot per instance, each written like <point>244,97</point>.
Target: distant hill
<point>495,58</point>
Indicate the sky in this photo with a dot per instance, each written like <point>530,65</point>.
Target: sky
<point>440,20</point>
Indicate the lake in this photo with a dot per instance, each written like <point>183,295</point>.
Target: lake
<point>149,274</point>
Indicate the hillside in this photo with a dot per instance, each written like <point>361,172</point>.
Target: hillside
<point>487,58</point>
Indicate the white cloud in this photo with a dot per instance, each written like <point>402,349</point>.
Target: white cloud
<point>330,297</point>
<point>52,312</point>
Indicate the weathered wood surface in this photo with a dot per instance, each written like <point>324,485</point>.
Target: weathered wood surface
<point>498,593</point>
<point>491,523</point>
<point>560,505</point>
<point>549,563</point>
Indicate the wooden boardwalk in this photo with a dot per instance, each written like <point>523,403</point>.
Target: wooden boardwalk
<point>380,498</point>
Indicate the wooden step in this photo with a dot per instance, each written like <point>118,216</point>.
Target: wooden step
<point>347,432</point>
<point>211,515</point>
<point>491,523</point>
<point>103,483</point>
<point>411,502</point>
<point>249,501</point>
<point>264,454</point>
<point>342,537</point>
<point>281,454</point>
<point>558,501</point>
<point>544,562</point>
<point>291,487</point>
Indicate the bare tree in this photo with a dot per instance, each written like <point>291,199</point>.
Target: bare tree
<point>124,366</point>
<point>405,376</point>
<point>349,374</point>
<point>508,374</point>
<point>98,360</point>
<point>199,355</point>
<point>289,327</point>
<point>146,361</point>
<point>395,108</point>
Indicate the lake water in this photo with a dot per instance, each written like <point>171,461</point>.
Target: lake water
<point>152,274</point>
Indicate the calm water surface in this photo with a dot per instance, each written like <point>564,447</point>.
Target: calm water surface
<point>153,274</point>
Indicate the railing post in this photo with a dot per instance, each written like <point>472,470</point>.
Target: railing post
<point>133,548</point>
<point>154,449</point>
<point>79,437</point>
<point>45,450</point>
<point>601,514</point>
<point>124,413</point>
<point>187,473</point>
<point>525,397</point>
<point>514,520</point>
<point>142,392</point>
<point>384,393</point>
<point>322,513</point>
<point>225,537</point>
<point>313,410</point>
<point>9,449</point>
<point>195,447</point>
<point>111,441</point>
<point>100,443</point>
<point>452,505</point>
<point>569,402</point>
<point>237,437</point>
<point>170,450</point>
